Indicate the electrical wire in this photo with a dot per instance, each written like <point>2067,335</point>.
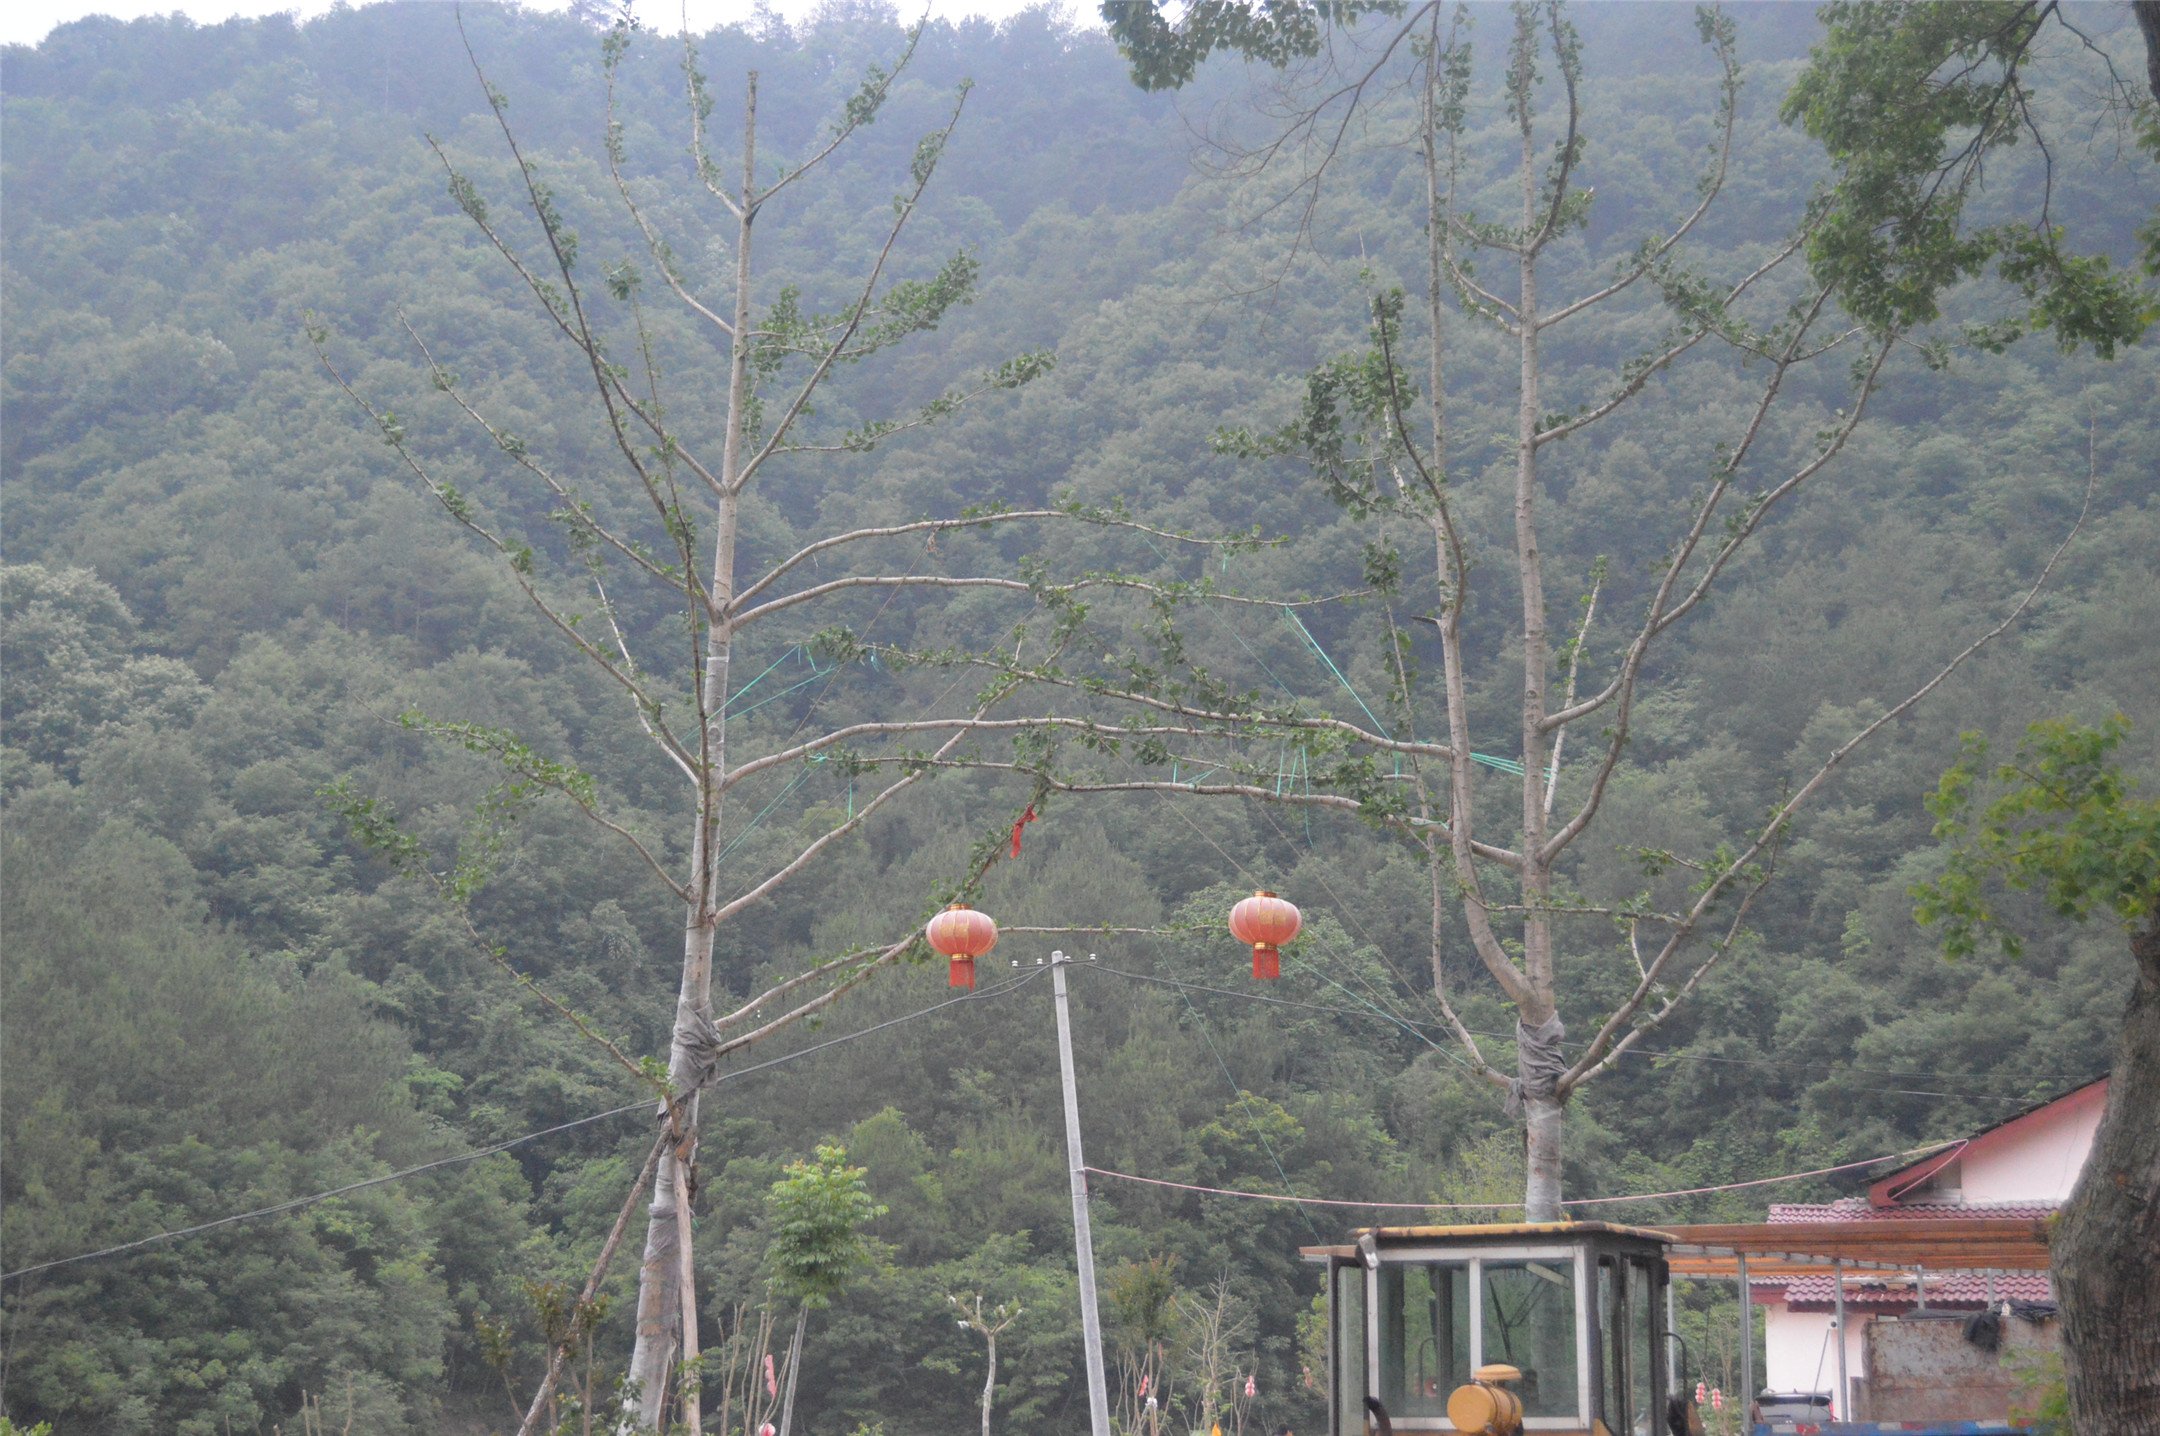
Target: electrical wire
<point>1631,1052</point>
<point>1326,977</point>
<point>1515,1206</point>
<point>1344,910</point>
<point>1244,1100</point>
<point>298,1202</point>
<point>999,990</point>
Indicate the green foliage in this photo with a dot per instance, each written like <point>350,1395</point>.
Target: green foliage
<point>2041,1398</point>
<point>72,669</point>
<point>152,1085</point>
<point>2063,821</point>
<point>1164,56</point>
<point>1912,102</point>
<point>1350,427</point>
<point>222,594</point>
<point>1141,1301</point>
<point>817,1212</point>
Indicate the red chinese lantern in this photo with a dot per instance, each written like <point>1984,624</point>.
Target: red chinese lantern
<point>962,934</point>
<point>1267,922</point>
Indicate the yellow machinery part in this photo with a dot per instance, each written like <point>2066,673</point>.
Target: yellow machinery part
<point>1485,1409</point>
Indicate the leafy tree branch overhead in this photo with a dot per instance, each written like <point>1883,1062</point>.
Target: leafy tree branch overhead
<point>2062,819</point>
<point>1910,102</point>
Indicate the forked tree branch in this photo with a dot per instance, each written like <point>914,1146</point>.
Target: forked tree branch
<point>1710,187</point>
<point>578,512</point>
<point>1772,833</point>
<point>559,1349</point>
<point>904,210</point>
<point>516,559</point>
<point>1660,617</point>
<point>938,526</point>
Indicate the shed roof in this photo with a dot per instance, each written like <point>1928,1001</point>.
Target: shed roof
<point>1963,1243</point>
<point>1773,1250</point>
<point>1487,1232</point>
<point>1848,1209</point>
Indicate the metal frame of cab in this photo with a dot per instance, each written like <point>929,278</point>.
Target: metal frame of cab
<point>1578,1245</point>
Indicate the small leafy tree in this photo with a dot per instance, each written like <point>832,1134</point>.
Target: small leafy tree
<point>1144,1311</point>
<point>817,1211</point>
<point>1216,1335</point>
<point>2062,820</point>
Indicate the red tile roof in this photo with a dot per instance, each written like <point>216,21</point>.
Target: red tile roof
<point>1849,1209</point>
<point>1954,1290</point>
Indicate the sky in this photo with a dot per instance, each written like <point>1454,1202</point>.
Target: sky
<point>26,22</point>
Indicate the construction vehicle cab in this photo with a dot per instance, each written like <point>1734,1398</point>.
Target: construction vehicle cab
<point>1441,1326</point>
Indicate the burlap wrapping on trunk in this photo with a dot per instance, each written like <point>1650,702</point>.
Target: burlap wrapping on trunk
<point>1539,1063</point>
<point>701,1040</point>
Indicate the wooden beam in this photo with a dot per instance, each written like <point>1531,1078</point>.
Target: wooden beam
<point>1939,1244</point>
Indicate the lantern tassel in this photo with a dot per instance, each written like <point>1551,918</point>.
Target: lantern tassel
<point>1267,963</point>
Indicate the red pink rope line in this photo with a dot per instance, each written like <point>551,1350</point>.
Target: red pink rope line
<point>1512,1206</point>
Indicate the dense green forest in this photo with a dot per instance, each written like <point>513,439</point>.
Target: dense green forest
<point>221,589</point>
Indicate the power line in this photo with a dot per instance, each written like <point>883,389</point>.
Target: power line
<point>1246,873</point>
<point>1631,1052</point>
<point>1512,1206</point>
<point>296,1203</point>
<point>1413,1027</point>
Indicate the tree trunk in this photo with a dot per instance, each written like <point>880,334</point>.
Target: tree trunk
<point>2106,1250</point>
<point>661,1298</point>
<point>794,1369</point>
<point>2148,18</point>
<point>692,1379</point>
<point>989,1383</point>
<point>1541,1179</point>
<point>660,1294</point>
<point>1542,1107</point>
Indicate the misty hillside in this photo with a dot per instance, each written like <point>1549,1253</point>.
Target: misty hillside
<point>222,588</point>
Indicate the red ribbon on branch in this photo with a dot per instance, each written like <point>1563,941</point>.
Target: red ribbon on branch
<point>1025,818</point>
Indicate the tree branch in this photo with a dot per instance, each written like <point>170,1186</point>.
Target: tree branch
<point>1771,835</point>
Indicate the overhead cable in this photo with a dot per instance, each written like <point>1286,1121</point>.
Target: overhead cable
<point>1512,1206</point>
<point>1411,1026</point>
<point>296,1203</point>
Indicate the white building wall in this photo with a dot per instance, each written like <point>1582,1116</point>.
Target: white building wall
<point>2034,1161</point>
<point>1799,1352</point>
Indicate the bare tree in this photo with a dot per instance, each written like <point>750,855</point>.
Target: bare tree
<point>1380,443</point>
<point>669,521</point>
<point>1214,1333</point>
<point>987,1325</point>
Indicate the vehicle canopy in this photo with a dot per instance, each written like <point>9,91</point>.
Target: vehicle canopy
<point>1576,1312</point>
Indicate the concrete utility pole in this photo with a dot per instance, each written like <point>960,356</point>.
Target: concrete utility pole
<point>1672,1338</point>
<point>1747,1340</point>
<point>1844,1386</point>
<point>1083,1237</point>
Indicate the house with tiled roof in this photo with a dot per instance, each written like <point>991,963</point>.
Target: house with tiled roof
<point>2023,1166</point>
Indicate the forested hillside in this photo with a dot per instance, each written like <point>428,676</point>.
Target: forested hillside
<point>222,589</point>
